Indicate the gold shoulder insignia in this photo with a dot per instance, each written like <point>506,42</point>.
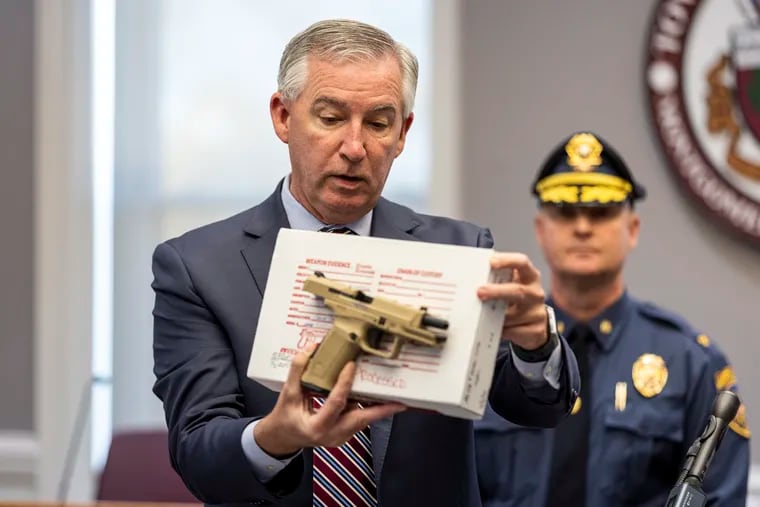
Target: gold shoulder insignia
<point>703,340</point>
<point>739,424</point>
<point>725,379</point>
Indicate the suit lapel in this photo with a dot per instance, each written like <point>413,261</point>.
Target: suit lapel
<point>265,222</point>
<point>390,220</point>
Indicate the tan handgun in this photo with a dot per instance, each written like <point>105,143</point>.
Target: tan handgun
<point>360,323</point>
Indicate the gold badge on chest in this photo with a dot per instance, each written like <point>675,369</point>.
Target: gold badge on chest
<point>650,374</point>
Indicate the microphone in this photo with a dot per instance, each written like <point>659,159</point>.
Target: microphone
<point>688,488</point>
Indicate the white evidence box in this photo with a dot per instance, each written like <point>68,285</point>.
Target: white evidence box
<point>453,380</point>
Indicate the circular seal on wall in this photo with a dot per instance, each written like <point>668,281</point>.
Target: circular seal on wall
<point>703,80</point>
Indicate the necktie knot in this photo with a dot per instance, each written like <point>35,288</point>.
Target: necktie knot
<point>580,335</point>
<point>338,229</point>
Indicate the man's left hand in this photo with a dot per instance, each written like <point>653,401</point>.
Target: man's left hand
<point>525,322</point>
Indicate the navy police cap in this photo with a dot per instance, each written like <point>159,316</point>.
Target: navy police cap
<point>584,170</point>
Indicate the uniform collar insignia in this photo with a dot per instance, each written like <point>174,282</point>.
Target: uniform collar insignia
<point>605,325</point>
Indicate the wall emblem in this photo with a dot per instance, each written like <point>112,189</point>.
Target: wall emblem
<point>703,81</point>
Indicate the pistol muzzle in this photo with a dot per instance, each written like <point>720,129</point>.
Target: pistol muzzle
<point>438,323</point>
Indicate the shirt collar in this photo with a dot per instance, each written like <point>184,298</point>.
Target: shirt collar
<point>606,327</point>
<point>300,218</point>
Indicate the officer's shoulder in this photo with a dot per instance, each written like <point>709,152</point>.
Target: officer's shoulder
<point>665,318</point>
<point>717,363</point>
<point>669,319</point>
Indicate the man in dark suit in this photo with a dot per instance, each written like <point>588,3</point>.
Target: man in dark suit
<point>343,107</point>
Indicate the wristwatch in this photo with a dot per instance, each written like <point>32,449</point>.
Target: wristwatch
<point>544,351</point>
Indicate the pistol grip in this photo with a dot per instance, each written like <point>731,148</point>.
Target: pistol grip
<point>328,360</point>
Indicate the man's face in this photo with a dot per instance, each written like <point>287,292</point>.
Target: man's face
<point>586,241</point>
<point>343,132</point>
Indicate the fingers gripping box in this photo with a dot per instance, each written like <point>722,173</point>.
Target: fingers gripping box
<point>453,380</point>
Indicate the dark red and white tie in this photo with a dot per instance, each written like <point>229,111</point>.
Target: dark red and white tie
<point>344,476</point>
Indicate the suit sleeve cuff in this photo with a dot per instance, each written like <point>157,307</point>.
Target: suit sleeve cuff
<point>264,466</point>
<point>541,373</point>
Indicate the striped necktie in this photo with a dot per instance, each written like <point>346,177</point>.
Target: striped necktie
<point>344,476</point>
<point>338,229</point>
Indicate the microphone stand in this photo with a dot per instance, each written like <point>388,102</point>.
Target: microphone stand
<point>688,489</point>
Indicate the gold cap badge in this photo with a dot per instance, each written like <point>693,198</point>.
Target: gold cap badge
<point>583,152</point>
<point>650,374</point>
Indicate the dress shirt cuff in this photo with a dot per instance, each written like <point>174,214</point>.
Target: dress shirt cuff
<point>541,373</point>
<point>265,467</point>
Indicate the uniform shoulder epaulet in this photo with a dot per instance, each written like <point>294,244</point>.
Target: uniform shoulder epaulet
<point>668,318</point>
<point>675,321</point>
<point>723,372</point>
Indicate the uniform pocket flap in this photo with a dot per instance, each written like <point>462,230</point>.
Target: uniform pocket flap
<point>650,423</point>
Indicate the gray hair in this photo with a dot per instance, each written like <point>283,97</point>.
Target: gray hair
<point>339,40</point>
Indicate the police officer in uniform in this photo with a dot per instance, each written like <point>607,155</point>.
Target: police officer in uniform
<point>648,377</point>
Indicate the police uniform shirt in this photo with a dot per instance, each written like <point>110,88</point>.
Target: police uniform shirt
<point>652,385</point>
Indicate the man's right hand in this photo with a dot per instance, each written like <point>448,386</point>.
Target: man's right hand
<point>293,424</point>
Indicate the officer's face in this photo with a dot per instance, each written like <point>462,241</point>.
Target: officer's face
<point>586,241</point>
<point>343,132</point>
